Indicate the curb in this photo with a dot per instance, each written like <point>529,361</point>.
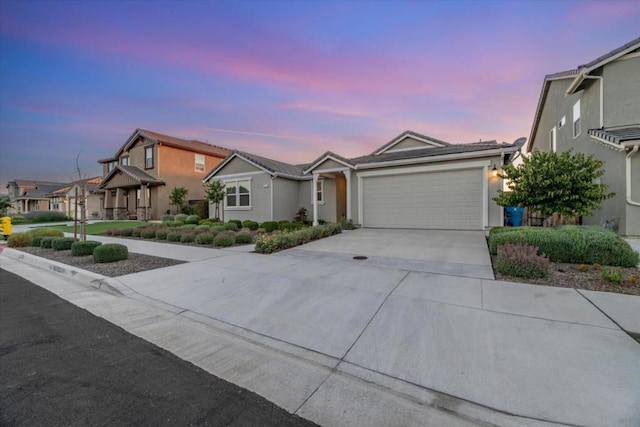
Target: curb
<point>87,278</point>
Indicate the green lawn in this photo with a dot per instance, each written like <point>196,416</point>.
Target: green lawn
<point>101,227</point>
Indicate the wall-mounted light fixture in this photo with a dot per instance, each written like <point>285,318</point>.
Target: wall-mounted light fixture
<point>494,171</point>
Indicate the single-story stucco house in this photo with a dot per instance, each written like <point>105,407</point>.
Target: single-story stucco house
<point>413,181</point>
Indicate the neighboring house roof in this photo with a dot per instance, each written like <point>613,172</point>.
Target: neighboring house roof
<point>91,186</point>
<point>171,141</point>
<point>617,138</point>
<point>446,151</point>
<point>31,183</point>
<point>410,134</point>
<point>139,175</point>
<point>578,75</point>
<point>272,167</point>
<point>40,191</point>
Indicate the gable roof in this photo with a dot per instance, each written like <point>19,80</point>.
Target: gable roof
<point>429,141</point>
<point>137,174</point>
<point>31,183</point>
<point>329,155</point>
<point>271,166</point>
<point>41,191</point>
<point>171,141</point>
<point>578,76</point>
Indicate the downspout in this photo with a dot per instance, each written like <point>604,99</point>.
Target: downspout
<point>271,190</point>
<point>631,153</point>
<point>601,97</point>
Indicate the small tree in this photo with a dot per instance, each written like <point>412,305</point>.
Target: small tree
<point>178,198</point>
<point>5,204</point>
<point>215,194</point>
<point>555,183</point>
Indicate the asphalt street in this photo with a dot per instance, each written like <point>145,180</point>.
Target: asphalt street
<point>61,365</point>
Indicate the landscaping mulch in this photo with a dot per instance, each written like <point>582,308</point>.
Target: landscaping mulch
<point>570,276</point>
<point>136,263</point>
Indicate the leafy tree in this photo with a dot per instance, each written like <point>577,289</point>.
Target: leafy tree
<point>5,204</point>
<point>215,194</point>
<point>178,198</point>
<point>555,183</point>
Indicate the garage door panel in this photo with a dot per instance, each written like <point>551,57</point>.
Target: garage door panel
<point>439,200</point>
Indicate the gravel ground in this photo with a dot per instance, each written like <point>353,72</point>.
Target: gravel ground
<point>134,264</point>
<point>570,276</point>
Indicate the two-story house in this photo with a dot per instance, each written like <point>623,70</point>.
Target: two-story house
<point>30,196</point>
<point>595,109</point>
<point>139,178</point>
<point>66,198</point>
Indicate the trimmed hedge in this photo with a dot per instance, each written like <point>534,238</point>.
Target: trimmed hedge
<point>188,238</point>
<point>19,240</point>
<point>270,226</point>
<point>251,225</point>
<point>181,217</point>
<point>244,237</point>
<point>237,222</point>
<point>45,232</point>
<point>571,244</point>
<point>232,226</point>
<point>192,219</point>
<point>162,234</point>
<point>202,228</point>
<point>46,242</point>
<point>36,241</point>
<point>205,238</point>
<point>167,218</point>
<point>84,248</point>
<point>62,243</point>
<point>148,233</point>
<point>224,240</point>
<point>219,228</point>
<point>110,252</point>
<point>174,236</point>
<point>279,240</point>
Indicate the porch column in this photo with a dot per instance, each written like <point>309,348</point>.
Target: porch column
<point>314,190</point>
<point>347,176</point>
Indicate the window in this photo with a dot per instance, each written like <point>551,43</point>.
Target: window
<point>238,194</point>
<point>320,191</point>
<point>577,127</point>
<point>110,166</point>
<point>552,139</point>
<point>562,122</point>
<point>199,163</point>
<point>124,161</point>
<point>148,157</point>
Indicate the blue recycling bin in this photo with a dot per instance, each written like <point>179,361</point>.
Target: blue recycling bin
<point>514,215</point>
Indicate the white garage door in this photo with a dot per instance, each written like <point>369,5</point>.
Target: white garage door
<point>434,200</point>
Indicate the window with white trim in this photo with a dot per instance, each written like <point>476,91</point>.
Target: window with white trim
<point>562,122</point>
<point>199,163</point>
<point>552,139</point>
<point>577,125</point>
<point>320,191</point>
<point>124,161</point>
<point>237,193</point>
<point>148,157</point>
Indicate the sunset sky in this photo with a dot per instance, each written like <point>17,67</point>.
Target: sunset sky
<point>282,79</point>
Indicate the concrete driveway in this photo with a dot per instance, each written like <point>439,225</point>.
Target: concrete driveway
<point>457,253</point>
<point>351,342</point>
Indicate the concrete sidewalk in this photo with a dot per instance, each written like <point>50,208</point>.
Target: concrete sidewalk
<point>350,343</point>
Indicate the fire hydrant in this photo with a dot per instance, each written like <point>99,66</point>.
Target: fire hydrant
<point>5,225</point>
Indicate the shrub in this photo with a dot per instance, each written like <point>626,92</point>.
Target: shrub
<point>237,222</point>
<point>279,240</point>
<point>148,233</point>
<point>244,237</point>
<point>46,216</point>
<point>19,240</point>
<point>270,226</point>
<point>36,241</point>
<point>231,226</point>
<point>174,236</point>
<point>192,219</point>
<point>583,267</point>
<point>136,232</point>
<point>612,275</point>
<point>181,217</point>
<point>62,243</point>
<point>571,244</point>
<point>45,232</point>
<point>202,228</point>
<point>347,224</point>
<point>261,231</point>
<point>205,238</point>
<point>188,227</point>
<point>167,218</point>
<point>251,225</point>
<point>634,279</point>
<point>224,240</point>
<point>125,232</point>
<point>84,248</point>
<point>188,238</point>
<point>162,234</point>
<point>110,252</point>
<point>518,260</point>
<point>46,242</point>
<point>219,228</point>
<point>175,223</point>
<point>290,225</point>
